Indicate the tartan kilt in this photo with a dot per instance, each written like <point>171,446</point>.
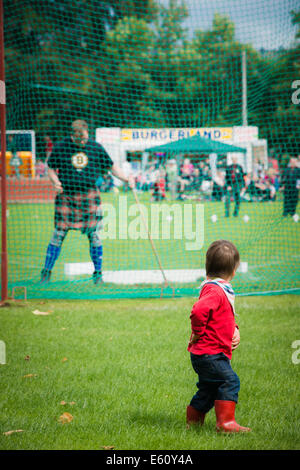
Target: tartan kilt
<point>79,211</point>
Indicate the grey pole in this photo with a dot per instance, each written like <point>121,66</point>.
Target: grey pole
<point>244,90</point>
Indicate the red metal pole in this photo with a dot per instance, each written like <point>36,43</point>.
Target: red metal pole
<point>3,163</point>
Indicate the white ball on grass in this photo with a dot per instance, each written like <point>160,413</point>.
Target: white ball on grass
<point>296,218</point>
<point>246,218</point>
<point>214,218</point>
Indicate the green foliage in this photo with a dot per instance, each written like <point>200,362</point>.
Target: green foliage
<point>283,126</point>
<point>132,63</point>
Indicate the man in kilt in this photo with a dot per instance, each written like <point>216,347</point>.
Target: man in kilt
<point>74,167</point>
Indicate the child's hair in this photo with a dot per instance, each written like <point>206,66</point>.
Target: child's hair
<point>222,259</point>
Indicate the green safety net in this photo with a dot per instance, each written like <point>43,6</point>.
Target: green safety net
<point>173,93</point>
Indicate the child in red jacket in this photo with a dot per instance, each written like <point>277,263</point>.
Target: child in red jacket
<point>214,335</point>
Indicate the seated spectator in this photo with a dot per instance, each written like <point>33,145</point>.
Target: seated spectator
<point>187,168</point>
<point>206,170</point>
<point>152,176</point>
<point>145,181</point>
<point>172,177</point>
<point>269,192</point>
<point>259,189</point>
<point>257,168</point>
<point>274,178</point>
<point>159,187</point>
<point>186,172</point>
<point>40,169</point>
<point>196,179</point>
<point>273,163</point>
<point>138,180</point>
<point>206,189</point>
<point>245,192</point>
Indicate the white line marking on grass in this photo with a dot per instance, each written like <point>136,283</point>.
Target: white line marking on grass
<point>147,276</point>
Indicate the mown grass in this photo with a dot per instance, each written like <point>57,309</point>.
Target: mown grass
<point>124,366</point>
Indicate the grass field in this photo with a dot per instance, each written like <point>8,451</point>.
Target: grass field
<point>269,243</point>
<point>122,369</point>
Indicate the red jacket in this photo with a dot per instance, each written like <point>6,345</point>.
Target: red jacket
<point>212,319</point>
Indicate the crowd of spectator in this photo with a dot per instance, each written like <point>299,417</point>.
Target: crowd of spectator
<point>190,177</point>
<point>195,179</point>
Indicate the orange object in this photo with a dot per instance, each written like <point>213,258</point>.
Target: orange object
<point>26,169</point>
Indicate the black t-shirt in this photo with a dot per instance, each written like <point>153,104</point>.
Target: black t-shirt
<point>291,177</point>
<point>234,176</point>
<point>78,168</point>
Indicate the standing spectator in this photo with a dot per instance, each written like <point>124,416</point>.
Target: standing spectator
<point>40,169</point>
<point>48,146</point>
<point>273,164</point>
<point>186,172</point>
<point>15,161</point>
<point>187,168</point>
<point>291,186</point>
<point>152,176</point>
<point>234,182</point>
<point>172,173</point>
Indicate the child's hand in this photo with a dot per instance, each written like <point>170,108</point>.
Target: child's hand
<point>236,339</point>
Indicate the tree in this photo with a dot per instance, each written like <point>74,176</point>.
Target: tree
<point>53,53</point>
<point>281,127</point>
<point>130,63</point>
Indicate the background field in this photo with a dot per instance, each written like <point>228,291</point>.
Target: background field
<point>124,372</point>
<point>268,242</point>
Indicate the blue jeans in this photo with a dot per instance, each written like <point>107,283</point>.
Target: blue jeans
<point>216,381</point>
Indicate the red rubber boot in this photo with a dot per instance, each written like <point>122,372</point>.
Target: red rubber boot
<point>225,411</point>
<point>194,416</point>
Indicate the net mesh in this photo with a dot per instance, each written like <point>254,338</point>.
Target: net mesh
<point>197,100</point>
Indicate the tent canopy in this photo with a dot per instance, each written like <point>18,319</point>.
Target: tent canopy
<point>196,144</point>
